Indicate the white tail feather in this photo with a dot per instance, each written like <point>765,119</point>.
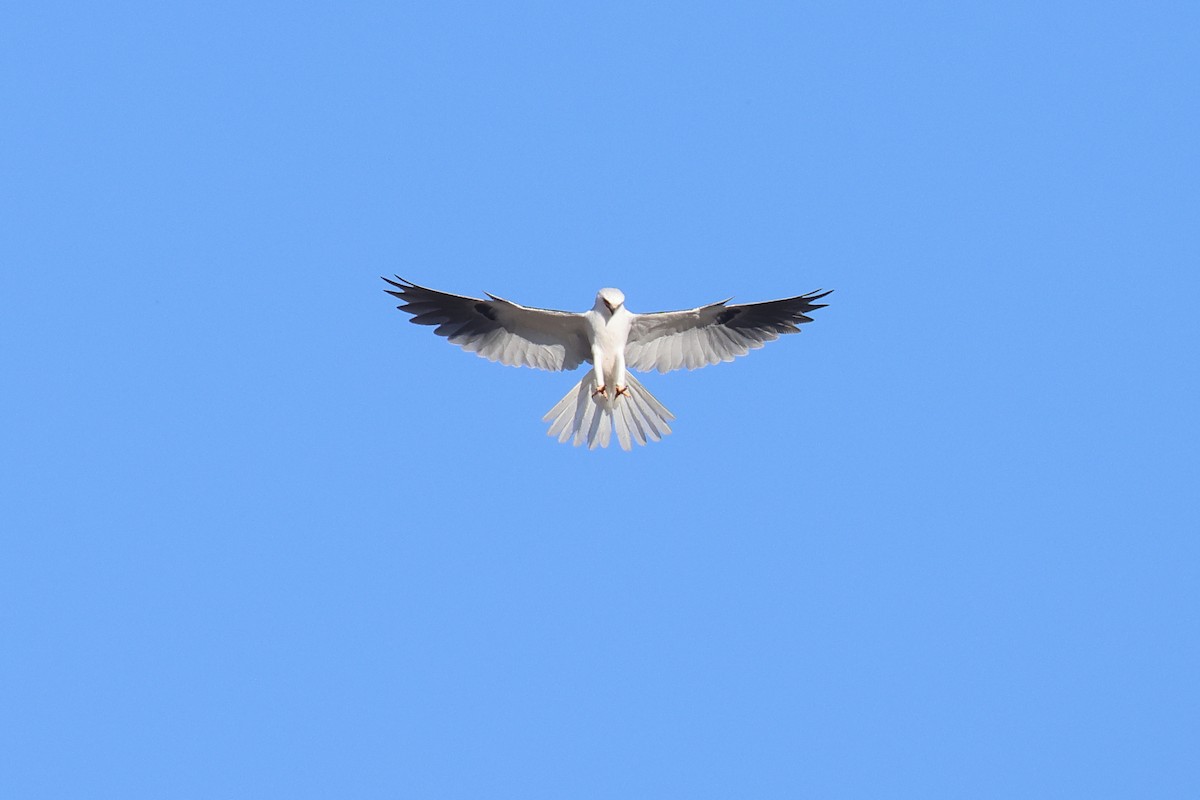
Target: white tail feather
<point>633,417</point>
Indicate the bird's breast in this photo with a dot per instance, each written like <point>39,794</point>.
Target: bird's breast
<point>611,334</point>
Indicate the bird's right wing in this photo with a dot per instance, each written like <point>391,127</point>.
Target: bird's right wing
<point>497,329</point>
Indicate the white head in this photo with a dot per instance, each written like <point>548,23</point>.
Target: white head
<point>609,300</point>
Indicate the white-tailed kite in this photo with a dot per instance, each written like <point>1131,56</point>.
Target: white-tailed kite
<point>612,339</point>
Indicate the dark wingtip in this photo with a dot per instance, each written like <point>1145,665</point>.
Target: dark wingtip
<point>817,295</point>
<point>403,284</point>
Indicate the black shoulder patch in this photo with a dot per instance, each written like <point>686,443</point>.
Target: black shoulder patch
<point>725,316</point>
<point>486,310</point>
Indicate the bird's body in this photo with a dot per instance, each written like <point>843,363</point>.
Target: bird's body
<point>614,340</point>
<point>610,323</point>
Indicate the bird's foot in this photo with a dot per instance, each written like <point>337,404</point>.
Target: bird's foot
<point>621,390</point>
<point>600,390</point>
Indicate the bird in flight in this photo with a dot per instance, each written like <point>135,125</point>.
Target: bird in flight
<point>613,340</point>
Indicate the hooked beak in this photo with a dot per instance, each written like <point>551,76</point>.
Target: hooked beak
<point>610,305</point>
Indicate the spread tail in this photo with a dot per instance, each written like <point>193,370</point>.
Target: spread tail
<point>635,417</point>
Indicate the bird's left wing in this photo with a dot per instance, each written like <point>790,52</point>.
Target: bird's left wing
<point>497,329</point>
<point>710,334</point>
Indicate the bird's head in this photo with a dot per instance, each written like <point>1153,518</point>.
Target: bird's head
<point>610,300</point>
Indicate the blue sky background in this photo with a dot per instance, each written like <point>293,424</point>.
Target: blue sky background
<point>261,537</point>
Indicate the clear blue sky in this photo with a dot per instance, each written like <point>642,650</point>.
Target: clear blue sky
<point>261,537</point>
